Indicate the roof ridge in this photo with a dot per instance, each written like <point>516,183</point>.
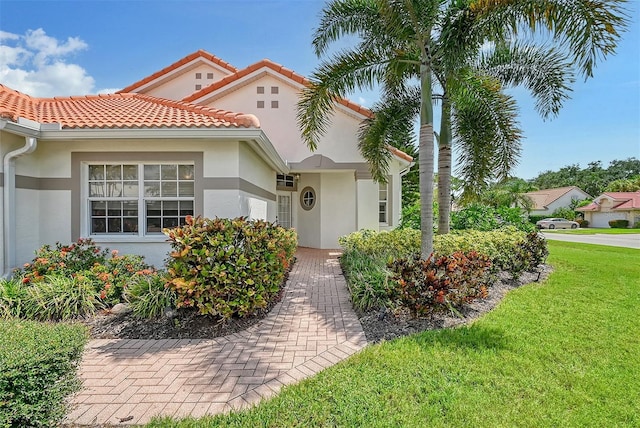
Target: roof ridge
<point>200,53</point>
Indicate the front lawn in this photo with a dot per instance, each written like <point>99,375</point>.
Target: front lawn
<point>595,231</point>
<point>559,353</point>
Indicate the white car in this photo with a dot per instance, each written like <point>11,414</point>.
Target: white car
<point>557,223</point>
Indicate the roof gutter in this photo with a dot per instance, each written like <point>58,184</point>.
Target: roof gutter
<point>9,196</point>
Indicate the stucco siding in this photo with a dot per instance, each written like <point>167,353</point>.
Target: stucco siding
<point>337,206</point>
<point>255,170</point>
<point>280,124</point>
<point>185,82</point>
<point>367,191</point>
<point>54,214</point>
<point>28,223</point>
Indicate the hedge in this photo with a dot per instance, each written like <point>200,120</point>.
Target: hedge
<point>38,364</point>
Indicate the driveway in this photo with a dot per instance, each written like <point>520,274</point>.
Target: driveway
<point>629,241</point>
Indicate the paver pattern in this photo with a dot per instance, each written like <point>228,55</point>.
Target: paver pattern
<point>313,327</point>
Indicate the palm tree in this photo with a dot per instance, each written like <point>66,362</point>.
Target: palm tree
<point>404,39</point>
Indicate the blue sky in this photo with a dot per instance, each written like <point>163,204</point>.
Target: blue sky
<point>50,48</point>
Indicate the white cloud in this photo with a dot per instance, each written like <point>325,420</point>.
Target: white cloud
<point>38,65</point>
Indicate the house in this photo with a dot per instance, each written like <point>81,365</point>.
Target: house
<point>120,167</point>
<point>546,201</point>
<point>613,206</point>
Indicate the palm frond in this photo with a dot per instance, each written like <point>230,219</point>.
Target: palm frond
<point>588,29</point>
<point>333,80</point>
<point>546,72</point>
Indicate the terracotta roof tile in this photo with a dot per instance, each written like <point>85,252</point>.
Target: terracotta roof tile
<point>117,111</point>
<point>623,201</point>
<point>400,154</point>
<point>187,59</point>
<point>278,69</point>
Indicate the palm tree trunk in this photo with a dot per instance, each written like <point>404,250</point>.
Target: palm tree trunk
<point>444,168</point>
<point>426,154</point>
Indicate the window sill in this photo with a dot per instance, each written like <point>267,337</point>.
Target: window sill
<point>161,238</point>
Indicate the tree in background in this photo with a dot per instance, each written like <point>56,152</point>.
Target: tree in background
<point>624,185</point>
<point>594,179</point>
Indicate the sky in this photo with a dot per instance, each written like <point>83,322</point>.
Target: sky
<point>57,48</point>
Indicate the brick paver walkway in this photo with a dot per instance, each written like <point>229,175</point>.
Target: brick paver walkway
<point>312,328</point>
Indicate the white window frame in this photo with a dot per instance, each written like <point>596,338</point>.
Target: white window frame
<point>141,234</point>
<point>384,187</point>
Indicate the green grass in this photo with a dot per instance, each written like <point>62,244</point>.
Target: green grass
<point>594,231</point>
<point>559,353</point>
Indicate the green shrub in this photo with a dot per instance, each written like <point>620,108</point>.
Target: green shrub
<point>533,219</point>
<point>394,243</point>
<point>112,277</point>
<point>63,260</point>
<point>583,223</point>
<point>445,282</point>
<point>108,272</point>
<point>564,212</point>
<point>58,297</point>
<point>367,253</point>
<point>228,267</point>
<point>38,365</point>
<point>367,280</point>
<point>12,294</point>
<point>149,295</point>
<point>485,218</point>
<point>637,225</point>
<point>618,224</point>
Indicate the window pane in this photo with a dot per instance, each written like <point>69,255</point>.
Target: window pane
<point>114,225</point>
<point>96,189</point>
<point>169,172</point>
<point>185,172</point>
<point>186,189</point>
<point>152,189</point>
<point>96,172</point>
<point>130,188</point>
<point>152,172</point>
<point>170,208</point>
<point>169,189</point>
<point>114,172</point>
<point>170,222</point>
<point>98,208</point>
<point>186,208</point>
<point>114,209</point>
<point>130,172</point>
<point>130,224</point>
<point>154,224</point>
<point>114,190</point>
<point>154,208</point>
<point>98,225</point>
<point>130,209</point>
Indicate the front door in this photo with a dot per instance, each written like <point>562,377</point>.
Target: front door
<point>284,210</point>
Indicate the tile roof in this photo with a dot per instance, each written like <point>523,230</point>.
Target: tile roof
<point>266,63</point>
<point>187,59</point>
<point>117,111</point>
<point>624,200</point>
<point>542,198</point>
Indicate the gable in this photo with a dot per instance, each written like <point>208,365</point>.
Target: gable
<point>179,79</point>
<point>272,98</point>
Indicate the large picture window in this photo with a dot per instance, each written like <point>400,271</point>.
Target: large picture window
<point>139,198</point>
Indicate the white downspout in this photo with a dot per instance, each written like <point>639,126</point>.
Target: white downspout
<point>9,205</point>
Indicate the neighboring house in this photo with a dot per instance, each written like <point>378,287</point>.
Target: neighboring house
<point>546,201</point>
<point>120,167</point>
<point>613,206</point>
